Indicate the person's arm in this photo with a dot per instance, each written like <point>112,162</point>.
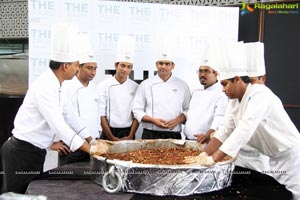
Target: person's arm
<point>139,103</point>
<point>254,108</point>
<point>156,121</point>
<point>86,147</point>
<point>48,105</point>
<point>186,101</point>
<point>213,145</point>
<point>171,124</point>
<point>106,129</point>
<point>204,137</point>
<point>73,120</point>
<point>218,155</point>
<point>134,127</point>
<point>60,147</point>
<point>219,111</point>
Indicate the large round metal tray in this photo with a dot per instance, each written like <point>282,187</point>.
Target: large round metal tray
<point>160,180</point>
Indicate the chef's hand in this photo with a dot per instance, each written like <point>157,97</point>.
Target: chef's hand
<point>202,138</point>
<point>99,147</point>
<point>60,147</point>
<point>160,123</point>
<point>126,138</point>
<point>202,159</point>
<point>172,123</point>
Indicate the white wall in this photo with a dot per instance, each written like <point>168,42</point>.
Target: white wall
<point>187,27</point>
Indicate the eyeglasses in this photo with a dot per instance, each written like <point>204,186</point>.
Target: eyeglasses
<point>165,63</point>
<point>204,71</point>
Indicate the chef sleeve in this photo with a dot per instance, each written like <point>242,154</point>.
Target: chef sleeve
<point>103,99</point>
<point>226,125</point>
<point>48,106</point>
<point>139,103</point>
<point>219,111</point>
<point>254,110</point>
<point>71,114</point>
<point>186,101</point>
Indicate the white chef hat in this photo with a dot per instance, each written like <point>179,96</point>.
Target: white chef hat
<point>165,48</point>
<point>86,54</point>
<point>125,51</point>
<point>255,59</point>
<point>212,55</point>
<point>64,43</point>
<point>233,60</point>
<point>165,55</point>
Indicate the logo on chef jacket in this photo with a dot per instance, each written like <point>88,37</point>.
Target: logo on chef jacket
<point>174,90</point>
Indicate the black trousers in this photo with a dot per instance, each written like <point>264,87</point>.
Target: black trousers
<point>117,132</point>
<point>150,134</point>
<point>72,157</point>
<point>22,162</point>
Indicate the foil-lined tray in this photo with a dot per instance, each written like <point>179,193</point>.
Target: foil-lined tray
<point>159,180</point>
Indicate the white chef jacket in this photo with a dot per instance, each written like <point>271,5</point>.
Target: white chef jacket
<point>251,158</point>
<point>41,115</point>
<point>159,99</point>
<point>84,101</point>
<point>116,101</point>
<point>262,121</point>
<point>206,110</point>
<point>248,156</point>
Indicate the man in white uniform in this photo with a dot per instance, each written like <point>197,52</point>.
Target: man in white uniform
<point>207,106</point>
<point>40,116</point>
<point>82,94</point>
<point>248,156</point>
<point>116,96</point>
<point>162,101</point>
<point>261,122</point>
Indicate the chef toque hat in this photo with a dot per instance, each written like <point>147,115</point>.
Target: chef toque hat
<point>64,43</point>
<point>125,51</point>
<point>86,54</point>
<point>165,49</point>
<point>233,60</point>
<point>255,59</point>
<point>212,55</point>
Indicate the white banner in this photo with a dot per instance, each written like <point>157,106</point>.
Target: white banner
<point>189,27</point>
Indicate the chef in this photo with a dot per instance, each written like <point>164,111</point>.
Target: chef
<point>208,104</point>
<point>116,96</point>
<point>255,62</point>
<point>40,116</point>
<point>260,121</point>
<point>248,156</point>
<point>81,92</point>
<point>162,101</point>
